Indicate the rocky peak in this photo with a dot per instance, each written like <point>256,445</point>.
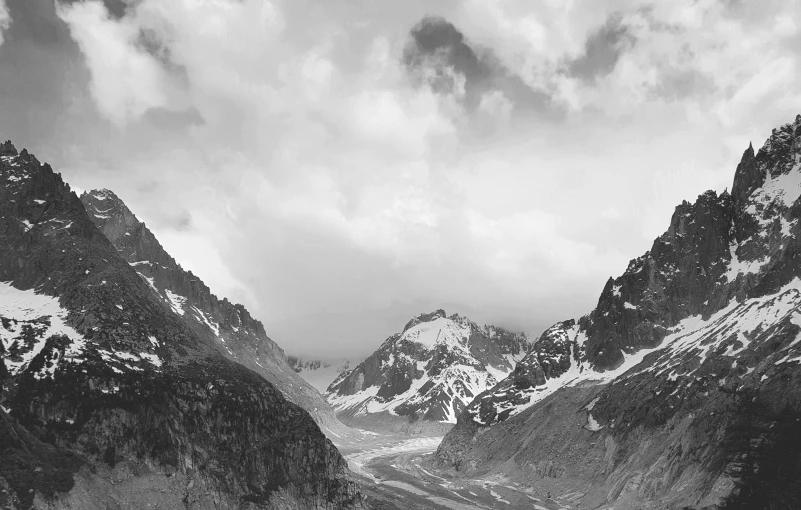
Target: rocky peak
<point>133,240</point>
<point>7,149</point>
<point>747,177</point>
<point>425,317</point>
<point>424,376</point>
<point>110,214</point>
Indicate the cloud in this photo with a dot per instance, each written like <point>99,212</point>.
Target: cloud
<point>601,51</point>
<point>339,168</point>
<point>5,19</point>
<point>438,55</point>
<point>127,77</point>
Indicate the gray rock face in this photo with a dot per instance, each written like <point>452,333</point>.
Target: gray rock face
<point>421,379</point>
<point>96,370</point>
<point>690,356</point>
<point>230,327</point>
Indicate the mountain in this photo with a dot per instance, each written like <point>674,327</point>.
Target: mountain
<point>681,388</point>
<point>227,326</point>
<point>319,373</point>
<point>421,379</point>
<point>112,399</point>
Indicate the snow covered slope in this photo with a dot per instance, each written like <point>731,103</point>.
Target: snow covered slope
<point>27,319</point>
<point>427,373</point>
<point>682,385</point>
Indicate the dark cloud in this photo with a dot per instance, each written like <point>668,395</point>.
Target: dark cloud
<point>438,54</point>
<point>115,8</point>
<point>43,80</point>
<point>149,41</point>
<point>601,51</point>
<point>437,46</point>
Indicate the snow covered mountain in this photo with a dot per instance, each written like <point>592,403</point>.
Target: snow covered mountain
<point>108,394</point>
<point>681,388</point>
<point>319,373</point>
<point>228,326</point>
<point>421,379</point>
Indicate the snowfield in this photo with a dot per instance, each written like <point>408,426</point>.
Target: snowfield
<point>28,319</point>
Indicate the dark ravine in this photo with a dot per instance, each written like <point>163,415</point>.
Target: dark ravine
<point>421,379</point>
<point>680,389</point>
<point>108,395</point>
<point>227,326</point>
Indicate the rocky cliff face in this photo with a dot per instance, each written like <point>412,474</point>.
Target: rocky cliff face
<point>103,382</point>
<point>422,378</point>
<point>228,326</point>
<point>680,389</point>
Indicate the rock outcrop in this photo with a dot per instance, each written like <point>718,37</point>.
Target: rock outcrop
<point>680,389</point>
<point>105,388</point>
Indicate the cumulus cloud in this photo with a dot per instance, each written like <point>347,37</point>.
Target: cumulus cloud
<point>127,77</point>
<point>340,167</point>
<point>5,19</point>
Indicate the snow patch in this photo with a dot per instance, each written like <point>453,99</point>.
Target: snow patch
<point>176,301</point>
<point>441,330</point>
<point>41,316</point>
<point>592,425</point>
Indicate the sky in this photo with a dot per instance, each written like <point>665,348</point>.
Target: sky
<point>339,166</point>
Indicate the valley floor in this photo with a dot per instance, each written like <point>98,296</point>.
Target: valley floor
<point>396,474</point>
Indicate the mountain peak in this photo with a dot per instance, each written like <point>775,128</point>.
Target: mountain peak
<point>747,177</point>
<point>422,378</point>
<point>7,149</point>
<point>101,194</point>
<point>425,317</point>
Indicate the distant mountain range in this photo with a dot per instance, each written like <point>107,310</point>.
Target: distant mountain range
<point>319,373</point>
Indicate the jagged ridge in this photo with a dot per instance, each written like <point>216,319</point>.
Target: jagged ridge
<point>230,327</point>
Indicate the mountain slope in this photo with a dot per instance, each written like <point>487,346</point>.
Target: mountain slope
<point>229,327</point>
<point>107,394</point>
<point>680,389</point>
<point>421,379</point>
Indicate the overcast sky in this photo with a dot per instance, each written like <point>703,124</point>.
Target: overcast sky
<point>339,166</point>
